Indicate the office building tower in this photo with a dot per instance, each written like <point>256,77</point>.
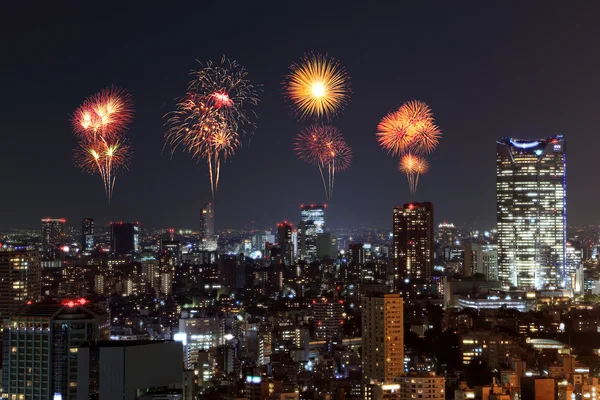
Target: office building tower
<point>142,366</point>
<point>87,235</point>
<point>328,318</point>
<point>413,241</point>
<point>20,278</point>
<point>531,212</point>
<point>284,240</point>
<point>258,242</point>
<point>125,238</point>
<point>53,236</point>
<point>208,240</point>
<point>327,246</point>
<point>481,259</point>
<point>446,233</point>
<point>312,222</point>
<point>357,254</point>
<point>199,334</point>
<point>382,337</point>
<point>52,333</point>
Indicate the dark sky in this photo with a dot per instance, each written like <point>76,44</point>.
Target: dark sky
<point>488,69</point>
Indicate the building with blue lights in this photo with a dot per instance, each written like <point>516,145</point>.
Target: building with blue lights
<point>531,212</point>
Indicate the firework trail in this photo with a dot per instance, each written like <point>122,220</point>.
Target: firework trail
<point>217,109</point>
<point>317,87</point>
<point>413,166</point>
<point>325,147</point>
<point>99,125</point>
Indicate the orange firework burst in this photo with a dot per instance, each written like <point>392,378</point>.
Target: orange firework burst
<point>413,166</point>
<point>103,115</point>
<point>418,117</point>
<point>210,120</point>
<point>100,124</point>
<point>325,147</point>
<point>394,134</point>
<point>410,128</point>
<point>317,87</point>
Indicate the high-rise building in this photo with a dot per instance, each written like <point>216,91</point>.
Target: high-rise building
<point>312,222</point>
<point>41,342</point>
<point>125,238</point>
<point>87,235</point>
<point>531,212</point>
<point>382,337</point>
<point>413,241</point>
<point>53,236</point>
<point>327,246</point>
<point>481,259</point>
<point>284,240</point>
<point>20,278</point>
<point>357,254</point>
<point>446,233</point>
<point>328,318</point>
<point>207,228</point>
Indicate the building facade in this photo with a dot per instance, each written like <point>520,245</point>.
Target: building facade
<point>428,386</point>
<point>207,228</point>
<point>284,239</point>
<point>382,337</point>
<point>87,235</point>
<point>413,241</point>
<point>312,222</point>
<point>40,347</point>
<point>20,278</point>
<point>328,318</point>
<point>125,238</point>
<point>531,212</point>
<point>53,236</point>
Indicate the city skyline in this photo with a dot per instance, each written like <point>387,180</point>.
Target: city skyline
<point>471,89</point>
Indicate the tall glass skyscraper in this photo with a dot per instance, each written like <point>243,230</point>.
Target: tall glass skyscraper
<point>312,222</point>
<point>87,235</point>
<point>531,212</point>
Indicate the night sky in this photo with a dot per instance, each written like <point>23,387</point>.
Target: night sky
<point>522,69</point>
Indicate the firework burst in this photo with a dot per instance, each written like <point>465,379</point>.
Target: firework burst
<point>99,125</point>
<point>325,147</point>
<point>410,128</point>
<point>104,115</point>
<point>317,87</point>
<point>217,109</point>
<point>413,166</point>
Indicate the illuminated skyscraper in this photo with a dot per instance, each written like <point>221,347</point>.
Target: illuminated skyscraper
<point>87,235</point>
<point>531,212</point>
<point>20,278</point>
<point>125,238</point>
<point>53,236</point>
<point>383,337</point>
<point>41,342</point>
<point>207,228</point>
<point>312,222</point>
<point>284,240</point>
<point>413,241</point>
